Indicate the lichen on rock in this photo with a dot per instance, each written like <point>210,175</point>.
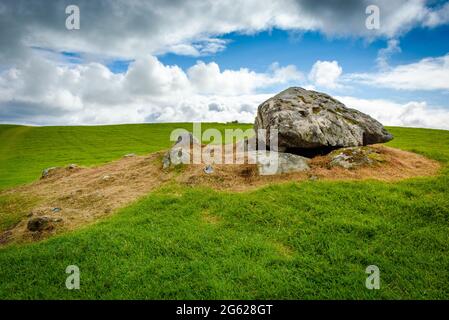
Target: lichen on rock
<point>313,120</point>
<point>352,157</point>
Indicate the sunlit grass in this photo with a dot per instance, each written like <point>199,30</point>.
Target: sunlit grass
<point>297,240</point>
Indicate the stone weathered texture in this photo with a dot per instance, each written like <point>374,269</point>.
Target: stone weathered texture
<point>48,172</point>
<point>208,169</point>
<point>272,162</point>
<point>129,155</point>
<point>352,157</point>
<point>309,119</point>
<point>181,151</point>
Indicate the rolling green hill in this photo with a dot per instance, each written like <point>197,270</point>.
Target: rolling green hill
<point>303,240</point>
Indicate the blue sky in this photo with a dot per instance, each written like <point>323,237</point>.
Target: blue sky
<point>258,51</point>
<point>217,61</point>
<point>302,49</point>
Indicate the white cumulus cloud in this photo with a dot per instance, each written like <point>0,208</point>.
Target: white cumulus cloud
<point>207,78</point>
<point>426,74</point>
<point>385,53</point>
<point>411,114</point>
<point>325,74</point>
<point>43,92</point>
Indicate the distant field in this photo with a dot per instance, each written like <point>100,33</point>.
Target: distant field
<point>296,240</point>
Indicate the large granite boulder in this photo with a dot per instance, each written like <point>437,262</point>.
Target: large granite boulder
<point>312,120</point>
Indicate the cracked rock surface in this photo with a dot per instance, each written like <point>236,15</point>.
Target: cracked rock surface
<point>309,119</point>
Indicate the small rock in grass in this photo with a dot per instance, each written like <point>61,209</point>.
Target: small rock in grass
<point>166,161</point>
<point>47,172</point>
<point>72,166</point>
<point>208,169</point>
<point>130,155</point>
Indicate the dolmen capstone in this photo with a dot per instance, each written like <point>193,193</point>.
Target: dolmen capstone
<point>309,120</point>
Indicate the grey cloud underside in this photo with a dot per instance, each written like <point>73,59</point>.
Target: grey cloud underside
<point>17,111</point>
<point>215,107</point>
<point>132,28</point>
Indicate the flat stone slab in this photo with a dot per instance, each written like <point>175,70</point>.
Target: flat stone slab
<point>272,162</point>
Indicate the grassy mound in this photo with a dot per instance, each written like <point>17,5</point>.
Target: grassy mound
<point>26,151</point>
<point>312,239</point>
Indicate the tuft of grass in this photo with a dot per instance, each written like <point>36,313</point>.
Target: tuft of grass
<point>13,208</point>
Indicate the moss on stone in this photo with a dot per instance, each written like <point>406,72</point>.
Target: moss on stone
<point>351,121</point>
<point>377,157</point>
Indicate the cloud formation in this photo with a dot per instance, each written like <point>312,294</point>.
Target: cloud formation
<point>411,114</point>
<point>426,74</point>
<point>209,79</point>
<point>385,53</point>
<point>49,88</point>
<point>325,74</point>
<point>41,92</point>
<point>116,28</point>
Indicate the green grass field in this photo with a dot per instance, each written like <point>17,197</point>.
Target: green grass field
<point>292,241</point>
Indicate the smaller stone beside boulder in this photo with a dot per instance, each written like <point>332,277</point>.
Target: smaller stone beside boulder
<point>272,162</point>
<point>352,157</point>
<point>181,150</point>
<point>166,161</point>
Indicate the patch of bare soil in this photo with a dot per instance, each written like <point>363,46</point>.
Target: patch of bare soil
<point>78,196</point>
<point>396,165</point>
<point>73,196</point>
